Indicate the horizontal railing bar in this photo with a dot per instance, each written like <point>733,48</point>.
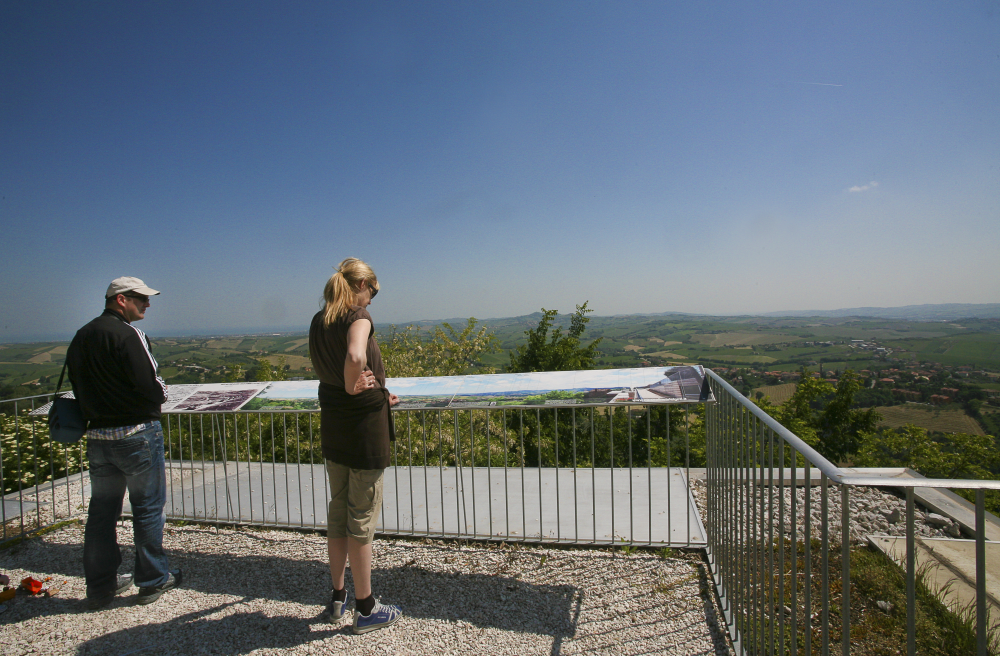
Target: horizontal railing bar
<point>36,396</point>
<point>836,474</point>
<point>956,483</point>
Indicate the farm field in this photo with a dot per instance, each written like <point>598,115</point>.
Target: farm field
<point>775,344</point>
<point>778,394</point>
<point>945,420</point>
<point>741,338</point>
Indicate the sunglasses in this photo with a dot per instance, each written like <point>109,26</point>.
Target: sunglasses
<point>139,297</point>
<point>373,290</point>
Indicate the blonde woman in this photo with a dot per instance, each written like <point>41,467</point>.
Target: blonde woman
<point>355,430</point>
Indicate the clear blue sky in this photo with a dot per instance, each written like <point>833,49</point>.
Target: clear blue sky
<point>489,159</point>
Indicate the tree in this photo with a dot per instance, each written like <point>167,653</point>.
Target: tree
<point>265,371</point>
<point>561,352</point>
<point>954,455</point>
<point>824,416</point>
<point>909,446</point>
<point>840,425</point>
<point>447,352</point>
<point>797,414</point>
<point>236,374</point>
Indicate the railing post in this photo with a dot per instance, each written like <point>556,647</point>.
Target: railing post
<point>825,564</point>
<point>981,627</point>
<point>845,570</point>
<point>911,578</point>
<point>807,562</point>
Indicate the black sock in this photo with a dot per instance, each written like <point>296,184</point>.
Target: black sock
<point>365,606</point>
<point>340,595</point>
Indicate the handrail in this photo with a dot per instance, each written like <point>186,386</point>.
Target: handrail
<point>839,475</point>
<point>835,474</point>
<point>36,396</point>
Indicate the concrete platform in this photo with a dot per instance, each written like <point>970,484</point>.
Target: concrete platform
<point>587,506</point>
<point>950,569</point>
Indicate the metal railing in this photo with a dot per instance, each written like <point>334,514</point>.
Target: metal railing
<point>43,482</point>
<point>590,475</point>
<point>580,474</point>
<point>762,540</point>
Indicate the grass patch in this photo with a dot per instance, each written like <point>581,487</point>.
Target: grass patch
<point>13,542</point>
<point>664,587</point>
<point>875,630</point>
<point>940,631</point>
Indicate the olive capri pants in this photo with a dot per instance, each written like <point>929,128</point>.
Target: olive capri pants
<point>356,502</point>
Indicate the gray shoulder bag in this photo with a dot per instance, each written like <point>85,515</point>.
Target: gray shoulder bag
<point>66,422</point>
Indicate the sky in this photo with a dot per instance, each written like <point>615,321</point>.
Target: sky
<point>492,159</point>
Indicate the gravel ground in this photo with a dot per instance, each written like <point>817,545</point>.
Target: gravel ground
<point>253,591</point>
<point>874,511</point>
<point>46,504</point>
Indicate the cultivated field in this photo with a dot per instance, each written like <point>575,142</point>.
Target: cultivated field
<point>223,343</point>
<point>294,361</point>
<point>776,343</point>
<point>945,420</point>
<point>668,355</point>
<point>778,394</point>
<point>741,339</point>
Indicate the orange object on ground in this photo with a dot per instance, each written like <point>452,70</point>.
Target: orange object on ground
<point>8,594</point>
<point>32,585</point>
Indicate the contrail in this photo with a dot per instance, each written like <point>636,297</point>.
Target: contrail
<point>820,84</point>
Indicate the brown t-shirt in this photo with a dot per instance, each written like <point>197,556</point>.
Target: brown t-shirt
<point>328,348</point>
<point>355,430</point>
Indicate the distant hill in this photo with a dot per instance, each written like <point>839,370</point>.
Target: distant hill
<point>939,312</point>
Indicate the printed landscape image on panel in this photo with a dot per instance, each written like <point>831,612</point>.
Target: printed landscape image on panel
<point>214,397</point>
<point>646,385</point>
<point>424,392</point>
<point>683,384</point>
<point>287,395</point>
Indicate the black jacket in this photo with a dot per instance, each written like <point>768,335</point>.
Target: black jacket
<point>113,373</point>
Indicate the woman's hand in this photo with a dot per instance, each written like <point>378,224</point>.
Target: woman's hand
<point>393,400</point>
<point>365,382</point>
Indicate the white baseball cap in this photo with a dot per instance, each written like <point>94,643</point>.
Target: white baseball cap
<point>128,284</point>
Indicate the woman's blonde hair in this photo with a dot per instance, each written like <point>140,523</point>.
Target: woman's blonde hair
<point>343,286</point>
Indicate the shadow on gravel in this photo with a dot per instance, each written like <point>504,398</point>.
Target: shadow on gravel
<point>483,600</point>
<point>716,624</point>
<point>238,633</point>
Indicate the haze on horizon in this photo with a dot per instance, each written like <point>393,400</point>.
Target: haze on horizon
<point>490,160</point>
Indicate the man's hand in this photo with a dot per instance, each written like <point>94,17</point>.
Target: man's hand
<point>366,381</point>
<point>393,400</point>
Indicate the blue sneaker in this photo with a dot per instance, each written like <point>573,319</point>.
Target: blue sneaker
<point>381,616</point>
<point>334,610</point>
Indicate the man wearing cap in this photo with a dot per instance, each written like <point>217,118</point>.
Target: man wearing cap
<point>114,377</point>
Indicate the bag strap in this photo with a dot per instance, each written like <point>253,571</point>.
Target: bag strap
<point>59,384</point>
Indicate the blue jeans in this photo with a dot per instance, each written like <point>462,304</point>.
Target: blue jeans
<point>136,463</point>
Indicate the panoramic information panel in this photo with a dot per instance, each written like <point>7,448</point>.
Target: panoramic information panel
<point>642,386</point>
<point>685,384</point>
